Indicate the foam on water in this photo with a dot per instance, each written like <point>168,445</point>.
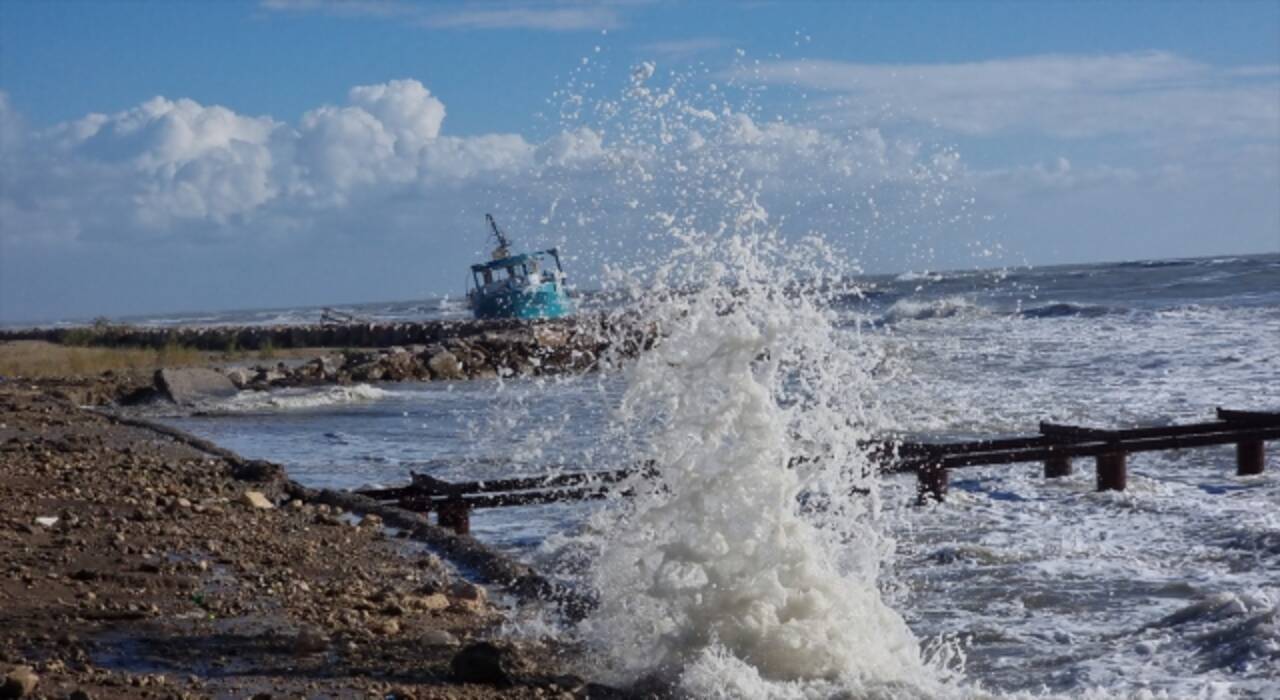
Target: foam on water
<point>297,399</point>
<point>920,310</point>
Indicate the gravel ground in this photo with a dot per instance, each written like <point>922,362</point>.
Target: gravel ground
<point>135,565</point>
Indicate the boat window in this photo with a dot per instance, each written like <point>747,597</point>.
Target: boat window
<point>488,276</point>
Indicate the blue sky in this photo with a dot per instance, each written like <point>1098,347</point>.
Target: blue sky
<point>311,152</point>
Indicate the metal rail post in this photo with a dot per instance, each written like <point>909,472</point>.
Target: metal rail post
<point>1112,473</point>
<point>931,483</point>
<point>1249,457</point>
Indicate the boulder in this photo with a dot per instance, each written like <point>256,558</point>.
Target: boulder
<point>445,365</point>
<point>192,385</point>
<point>399,366</point>
<point>240,376</point>
<point>368,372</point>
<point>329,365</point>
<point>549,337</point>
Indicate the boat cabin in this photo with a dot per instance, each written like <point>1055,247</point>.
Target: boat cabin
<point>528,285</point>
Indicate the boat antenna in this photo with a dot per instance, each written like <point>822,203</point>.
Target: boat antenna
<point>502,251</point>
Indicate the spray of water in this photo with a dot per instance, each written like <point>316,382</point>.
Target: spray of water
<point>748,561</point>
<point>755,540</point>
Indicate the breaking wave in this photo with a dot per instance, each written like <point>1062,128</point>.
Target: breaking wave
<point>926,309</point>
<point>298,399</point>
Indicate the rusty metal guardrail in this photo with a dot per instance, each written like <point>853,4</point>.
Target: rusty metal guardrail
<point>1055,445</point>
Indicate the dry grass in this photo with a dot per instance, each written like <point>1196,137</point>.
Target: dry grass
<point>33,358</point>
<point>38,359</point>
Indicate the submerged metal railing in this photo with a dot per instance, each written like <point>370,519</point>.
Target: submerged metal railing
<point>1055,445</point>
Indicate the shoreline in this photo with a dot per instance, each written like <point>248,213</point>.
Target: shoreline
<point>141,561</point>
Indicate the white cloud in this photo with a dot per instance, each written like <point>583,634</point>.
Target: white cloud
<point>173,169</point>
<point>559,16</point>
<point>404,107</point>
<point>1060,95</point>
<point>453,161</point>
<point>679,49</point>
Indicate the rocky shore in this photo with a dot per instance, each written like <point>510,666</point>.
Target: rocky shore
<point>135,563</point>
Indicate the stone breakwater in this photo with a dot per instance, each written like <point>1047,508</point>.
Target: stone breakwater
<point>349,335</point>
<point>522,351</point>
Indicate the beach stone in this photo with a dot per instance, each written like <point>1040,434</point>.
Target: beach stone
<point>257,470</point>
<point>19,683</point>
<point>429,602</point>
<point>188,386</point>
<point>255,499</point>
<point>484,663</point>
<point>439,638</point>
<point>310,641</point>
<point>445,365</point>
<point>468,597</point>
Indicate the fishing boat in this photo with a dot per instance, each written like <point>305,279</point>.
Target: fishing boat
<point>527,285</point>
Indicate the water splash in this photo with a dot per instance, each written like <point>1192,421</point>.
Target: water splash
<point>750,558</point>
<point>749,543</point>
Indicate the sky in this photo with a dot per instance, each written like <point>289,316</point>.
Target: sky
<point>179,156</point>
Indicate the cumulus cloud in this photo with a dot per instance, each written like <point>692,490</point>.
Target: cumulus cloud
<point>174,168</point>
<point>1066,96</point>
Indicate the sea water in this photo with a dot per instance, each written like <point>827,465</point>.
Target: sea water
<point>1046,585</point>
<point>765,556</point>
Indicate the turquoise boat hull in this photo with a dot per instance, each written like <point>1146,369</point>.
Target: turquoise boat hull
<point>543,301</point>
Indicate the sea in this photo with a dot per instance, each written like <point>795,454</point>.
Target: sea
<point>1014,586</point>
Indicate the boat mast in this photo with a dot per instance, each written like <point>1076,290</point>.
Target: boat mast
<point>504,245</point>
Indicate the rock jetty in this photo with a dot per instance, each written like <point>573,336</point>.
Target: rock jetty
<point>527,350</point>
<point>319,335</point>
